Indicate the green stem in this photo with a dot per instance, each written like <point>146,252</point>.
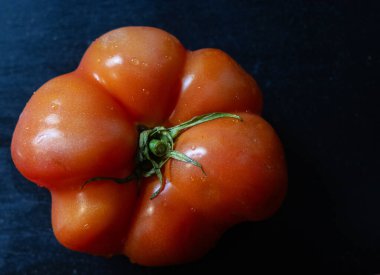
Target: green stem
<point>175,131</point>
<point>156,146</point>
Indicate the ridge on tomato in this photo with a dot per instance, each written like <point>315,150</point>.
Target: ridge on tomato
<point>150,150</point>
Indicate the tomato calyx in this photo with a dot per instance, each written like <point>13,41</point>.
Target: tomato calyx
<point>156,147</point>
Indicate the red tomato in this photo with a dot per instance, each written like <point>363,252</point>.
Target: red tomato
<point>101,123</point>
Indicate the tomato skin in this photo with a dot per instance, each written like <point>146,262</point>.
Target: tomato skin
<point>253,186</point>
<point>69,130</point>
<point>93,219</point>
<point>213,82</point>
<point>139,66</point>
<point>168,230</point>
<point>86,124</point>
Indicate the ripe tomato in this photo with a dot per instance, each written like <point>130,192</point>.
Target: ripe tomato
<point>213,163</point>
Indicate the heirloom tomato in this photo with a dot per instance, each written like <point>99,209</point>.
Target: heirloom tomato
<point>150,150</point>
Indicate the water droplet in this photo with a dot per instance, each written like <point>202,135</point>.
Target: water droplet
<point>193,147</point>
<point>55,104</point>
<point>192,209</point>
<point>98,60</point>
<point>135,61</point>
<point>86,226</point>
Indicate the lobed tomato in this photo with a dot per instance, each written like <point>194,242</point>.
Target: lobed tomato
<point>82,133</point>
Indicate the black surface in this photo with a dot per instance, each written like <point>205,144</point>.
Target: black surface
<point>316,63</point>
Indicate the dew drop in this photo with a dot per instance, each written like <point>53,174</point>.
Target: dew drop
<point>135,61</point>
<point>55,104</point>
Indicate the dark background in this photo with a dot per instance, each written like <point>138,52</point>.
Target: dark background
<point>315,61</point>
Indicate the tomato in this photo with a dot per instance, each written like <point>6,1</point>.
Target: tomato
<point>150,150</point>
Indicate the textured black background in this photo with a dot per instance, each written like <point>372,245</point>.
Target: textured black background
<point>315,61</point>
